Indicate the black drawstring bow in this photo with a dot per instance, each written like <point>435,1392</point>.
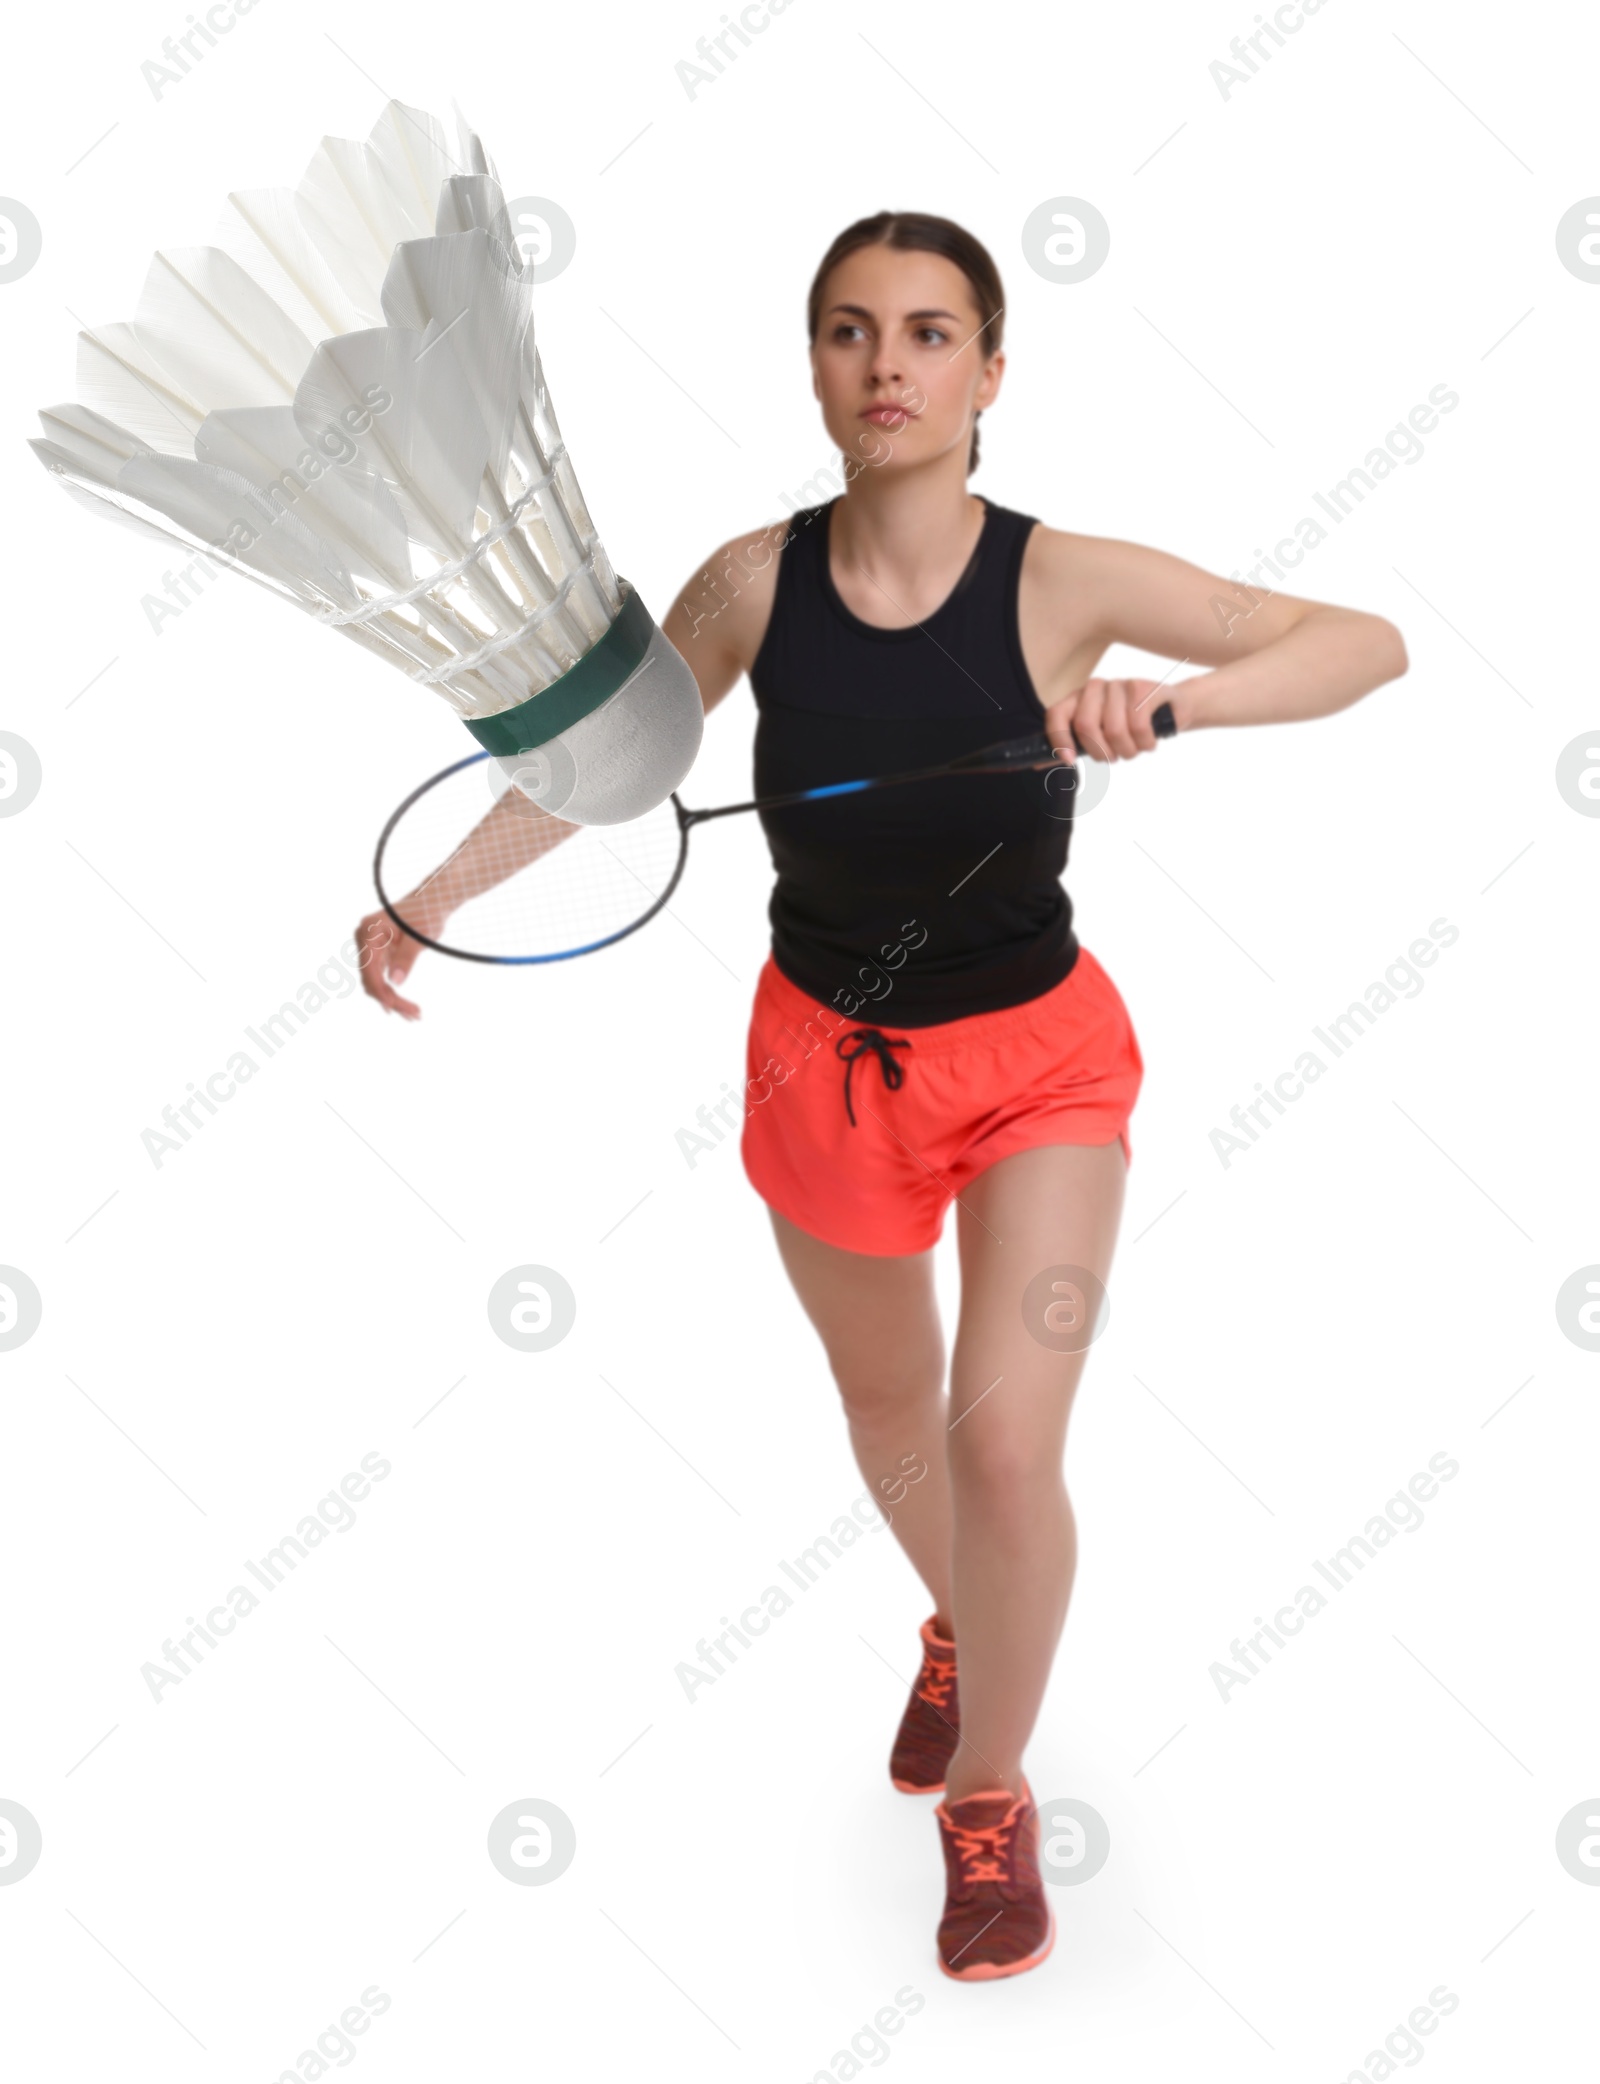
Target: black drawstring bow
<point>870,1042</point>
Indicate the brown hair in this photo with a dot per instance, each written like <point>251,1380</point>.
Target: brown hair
<point>911,231</point>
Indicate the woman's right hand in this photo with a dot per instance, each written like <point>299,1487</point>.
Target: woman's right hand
<point>1110,719</point>
<point>386,953</point>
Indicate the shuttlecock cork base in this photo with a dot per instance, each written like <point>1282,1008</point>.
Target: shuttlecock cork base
<point>596,745</point>
<point>343,400</point>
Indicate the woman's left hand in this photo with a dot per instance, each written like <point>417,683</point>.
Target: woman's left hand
<point>1112,718</point>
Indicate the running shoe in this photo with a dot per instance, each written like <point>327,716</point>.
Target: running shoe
<point>996,1920</point>
<point>930,1728</point>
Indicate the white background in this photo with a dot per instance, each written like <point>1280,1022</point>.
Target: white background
<point>1292,269</point>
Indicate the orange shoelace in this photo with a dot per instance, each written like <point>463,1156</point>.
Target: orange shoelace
<point>935,1680</point>
<point>982,1850</point>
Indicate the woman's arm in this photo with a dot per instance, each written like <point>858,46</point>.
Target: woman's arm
<point>1275,658</point>
<point>511,835</point>
<point>515,832</point>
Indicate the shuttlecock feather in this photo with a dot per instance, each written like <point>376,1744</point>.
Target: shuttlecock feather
<point>343,400</point>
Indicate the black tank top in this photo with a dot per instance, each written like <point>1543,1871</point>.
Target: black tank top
<point>933,899</point>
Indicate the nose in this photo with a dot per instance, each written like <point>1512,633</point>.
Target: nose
<point>886,369</point>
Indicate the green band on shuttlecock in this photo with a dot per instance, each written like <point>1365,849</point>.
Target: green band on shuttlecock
<point>580,690</point>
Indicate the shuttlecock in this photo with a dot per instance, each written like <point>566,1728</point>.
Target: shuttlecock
<point>343,399</point>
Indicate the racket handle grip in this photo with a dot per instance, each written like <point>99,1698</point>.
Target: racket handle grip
<point>1162,722</point>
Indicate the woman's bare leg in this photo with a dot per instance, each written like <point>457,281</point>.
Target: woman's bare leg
<point>1015,1541</point>
<point>879,1325</point>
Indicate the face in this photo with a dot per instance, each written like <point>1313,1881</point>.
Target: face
<point>901,362</point>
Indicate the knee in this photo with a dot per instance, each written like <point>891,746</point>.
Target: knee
<point>876,1400</point>
<point>993,1468</point>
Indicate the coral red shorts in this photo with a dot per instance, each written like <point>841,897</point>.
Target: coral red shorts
<point>932,1107</point>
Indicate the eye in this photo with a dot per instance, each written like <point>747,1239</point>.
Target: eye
<point>845,325</point>
<point>933,336</point>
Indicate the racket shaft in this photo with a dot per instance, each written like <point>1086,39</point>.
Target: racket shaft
<point>1015,756</point>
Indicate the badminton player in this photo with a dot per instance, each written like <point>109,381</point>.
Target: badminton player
<point>928,1028</point>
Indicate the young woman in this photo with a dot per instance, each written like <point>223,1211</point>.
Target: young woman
<point>928,1027</point>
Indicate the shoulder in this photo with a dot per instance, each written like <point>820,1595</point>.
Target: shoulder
<point>726,605</point>
<point>1058,557</point>
<point>1089,579</point>
<point>1118,571</point>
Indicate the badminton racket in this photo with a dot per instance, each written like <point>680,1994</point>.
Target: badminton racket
<point>518,885</point>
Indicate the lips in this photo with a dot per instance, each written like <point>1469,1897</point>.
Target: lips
<point>888,415</point>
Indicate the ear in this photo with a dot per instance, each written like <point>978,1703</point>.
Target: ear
<point>989,384</point>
